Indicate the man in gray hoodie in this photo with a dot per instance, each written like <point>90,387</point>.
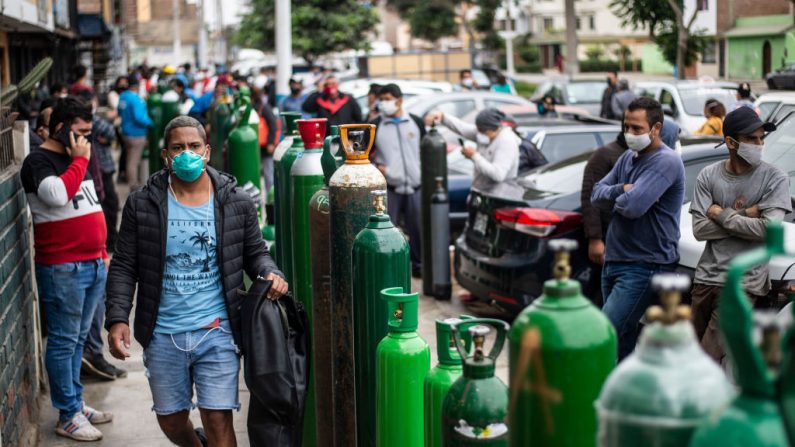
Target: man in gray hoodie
<point>397,156</point>
<point>622,98</point>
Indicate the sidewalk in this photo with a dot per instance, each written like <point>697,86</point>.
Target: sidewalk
<point>134,424</point>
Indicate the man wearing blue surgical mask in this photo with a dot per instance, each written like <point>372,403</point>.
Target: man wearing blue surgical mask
<point>732,204</point>
<point>185,241</point>
<point>644,191</point>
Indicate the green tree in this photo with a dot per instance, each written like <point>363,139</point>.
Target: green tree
<point>203,240</point>
<point>319,26</point>
<point>667,27</point>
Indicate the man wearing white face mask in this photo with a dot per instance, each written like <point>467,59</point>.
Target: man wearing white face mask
<point>396,152</point>
<point>496,157</point>
<point>644,191</point>
<point>732,204</point>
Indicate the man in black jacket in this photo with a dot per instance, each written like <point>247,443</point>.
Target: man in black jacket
<point>185,241</point>
<point>607,97</point>
<point>328,102</point>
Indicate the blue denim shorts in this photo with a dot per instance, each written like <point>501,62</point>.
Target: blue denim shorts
<point>204,358</point>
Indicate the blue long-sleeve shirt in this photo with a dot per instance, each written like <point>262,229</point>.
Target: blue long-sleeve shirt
<point>135,121</point>
<point>645,224</point>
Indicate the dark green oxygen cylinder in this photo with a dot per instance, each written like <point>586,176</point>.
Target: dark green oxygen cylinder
<point>220,117</point>
<point>154,105</point>
<point>441,286</point>
<point>556,372</point>
<point>243,150</point>
<point>351,207</point>
<point>283,158</point>
<point>668,386</point>
<point>475,411</point>
<point>307,179</point>
<point>440,379</point>
<point>321,296</point>
<point>169,109</point>
<point>763,414</point>
<point>433,164</point>
<point>380,260</point>
<point>402,362</point>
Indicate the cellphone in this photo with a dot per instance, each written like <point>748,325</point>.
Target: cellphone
<point>62,136</point>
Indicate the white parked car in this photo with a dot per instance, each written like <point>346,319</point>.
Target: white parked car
<point>410,88</point>
<point>775,106</point>
<point>779,151</point>
<point>684,101</point>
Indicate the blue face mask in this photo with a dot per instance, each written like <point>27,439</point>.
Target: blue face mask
<point>188,166</point>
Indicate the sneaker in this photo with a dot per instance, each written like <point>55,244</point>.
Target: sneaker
<point>78,428</point>
<point>99,367</point>
<point>96,416</point>
<point>202,436</point>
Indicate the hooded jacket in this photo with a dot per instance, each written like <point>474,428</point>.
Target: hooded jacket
<point>139,258</point>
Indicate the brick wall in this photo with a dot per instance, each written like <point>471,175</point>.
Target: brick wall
<point>18,382</point>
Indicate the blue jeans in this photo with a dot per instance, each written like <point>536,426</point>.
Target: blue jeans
<point>627,291</point>
<point>69,293</point>
<point>206,358</point>
<point>94,342</point>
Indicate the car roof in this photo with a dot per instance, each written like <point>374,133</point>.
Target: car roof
<point>787,97</point>
<point>420,83</point>
<point>701,150</point>
<point>688,83</point>
<point>584,128</point>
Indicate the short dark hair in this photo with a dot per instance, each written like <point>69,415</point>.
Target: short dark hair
<point>78,71</point>
<point>375,89</point>
<point>612,72</point>
<point>67,110</point>
<point>46,103</point>
<point>392,89</point>
<point>654,112</point>
<point>183,121</point>
<point>86,95</point>
<point>56,87</point>
<point>464,71</point>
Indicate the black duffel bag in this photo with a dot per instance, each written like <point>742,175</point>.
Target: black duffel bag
<point>275,366</point>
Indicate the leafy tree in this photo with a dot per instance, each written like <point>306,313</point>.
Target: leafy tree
<point>432,20</point>
<point>594,52</point>
<point>319,26</point>
<point>667,27</point>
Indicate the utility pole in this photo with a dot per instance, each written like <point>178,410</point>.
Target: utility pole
<point>509,34</point>
<point>177,40</point>
<point>284,49</point>
<point>220,41</point>
<point>201,61</point>
<point>572,64</point>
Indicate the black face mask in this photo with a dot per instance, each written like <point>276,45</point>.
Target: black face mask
<point>609,82</point>
<point>295,90</point>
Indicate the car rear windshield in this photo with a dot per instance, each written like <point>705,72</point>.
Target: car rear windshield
<point>694,98</point>
<point>558,178</point>
<point>585,92</point>
<point>780,149</point>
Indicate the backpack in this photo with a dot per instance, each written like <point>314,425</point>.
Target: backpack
<point>529,155</point>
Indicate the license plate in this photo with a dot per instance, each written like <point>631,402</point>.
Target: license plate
<point>481,222</point>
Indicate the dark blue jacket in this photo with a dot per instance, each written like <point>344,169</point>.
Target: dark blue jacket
<point>645,224</point>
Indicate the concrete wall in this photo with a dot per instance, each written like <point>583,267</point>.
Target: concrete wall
<point>745,56</point>
<point>18,380</point>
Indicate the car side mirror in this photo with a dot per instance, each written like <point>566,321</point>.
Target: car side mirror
<point>668,110</point>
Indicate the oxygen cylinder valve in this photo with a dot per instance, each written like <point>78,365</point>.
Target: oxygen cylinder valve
<point>378,201</point>
<point>479,334</point>
<point>770,345</point>
<point>562,249</point>
<point>670,287</point>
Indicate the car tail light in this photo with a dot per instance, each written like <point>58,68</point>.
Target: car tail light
<point>538,222</point>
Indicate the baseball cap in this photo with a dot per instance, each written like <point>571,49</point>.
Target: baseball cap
<point>744,89</point>
<point>744,121</point>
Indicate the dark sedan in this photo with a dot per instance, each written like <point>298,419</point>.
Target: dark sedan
<point>502,256</point>
<point>783,78</point>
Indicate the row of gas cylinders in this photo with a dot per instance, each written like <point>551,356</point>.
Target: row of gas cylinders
<point>371,382</point>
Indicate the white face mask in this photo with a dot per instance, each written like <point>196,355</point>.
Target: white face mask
<point>482,139</point>
<point>467,82</point>
<point>389,108</point>
<point>637,143</point>
<point>752,153</point>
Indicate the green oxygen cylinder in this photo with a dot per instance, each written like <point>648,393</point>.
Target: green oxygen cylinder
<point>755,416</point>
<point>402,362</point>
<point>433,164</point>
<point>243,150</point>
<point>475,410</point>
<point>321,297</point>
<point>351,207</point>
<point>556,372</point>
<point>306,179</point>
<point>380,260</point>
<point>291,132</point>
<point>283,158</point>
<point>220,118</point>
<point>169,109</point>
<point>664,390</point>
<point>440,379</point>
<point>154,105</point>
